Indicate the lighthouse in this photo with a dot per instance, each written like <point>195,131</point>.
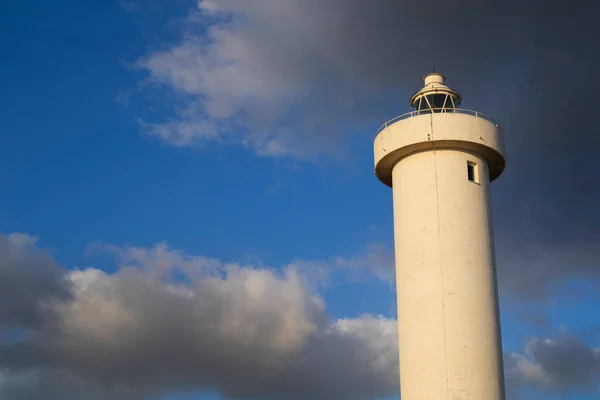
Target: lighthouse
<point>439,161</point>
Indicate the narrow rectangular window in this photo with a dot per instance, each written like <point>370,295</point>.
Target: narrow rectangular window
<point>472,174</point>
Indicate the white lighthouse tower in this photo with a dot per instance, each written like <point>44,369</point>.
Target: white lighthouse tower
<point>439,161</point>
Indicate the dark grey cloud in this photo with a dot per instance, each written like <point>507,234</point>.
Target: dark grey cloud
<point>300,77</point>
<point>56,385</point>
<point>30,280</point>
<point>563,364</point>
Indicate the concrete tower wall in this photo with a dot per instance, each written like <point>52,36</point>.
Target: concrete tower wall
<point>448,327</point>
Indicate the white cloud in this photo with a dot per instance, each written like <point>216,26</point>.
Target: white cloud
<point>380,336</point>
<point>22,240</point>
<point>243,330</point>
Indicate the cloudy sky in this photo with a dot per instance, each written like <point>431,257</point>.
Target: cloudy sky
<point>189,212</point>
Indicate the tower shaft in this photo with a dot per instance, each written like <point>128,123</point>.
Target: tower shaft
<point>448,328</point>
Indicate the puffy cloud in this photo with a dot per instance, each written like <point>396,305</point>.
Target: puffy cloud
<point>146,330</point>
<point>564,364</point>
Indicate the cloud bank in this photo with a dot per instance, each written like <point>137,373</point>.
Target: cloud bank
<point>169,322</point>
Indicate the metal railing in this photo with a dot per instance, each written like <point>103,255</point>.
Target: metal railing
<point>436,111</point>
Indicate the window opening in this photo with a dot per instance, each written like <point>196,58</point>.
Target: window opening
<point>449,104</point>
<point>425,106</point>
<point>472,173</point>
<point>436,101</point>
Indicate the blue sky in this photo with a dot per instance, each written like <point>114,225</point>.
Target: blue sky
<point>77,160</point>
<point>87,89</point>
